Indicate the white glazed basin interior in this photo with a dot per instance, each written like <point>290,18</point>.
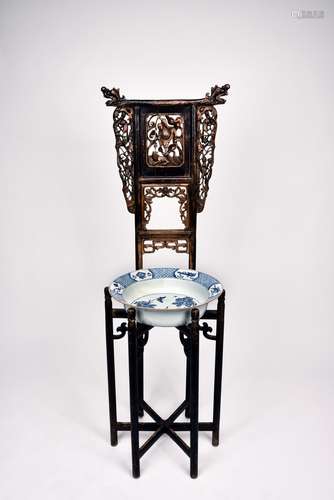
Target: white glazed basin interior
<point>141,289</point>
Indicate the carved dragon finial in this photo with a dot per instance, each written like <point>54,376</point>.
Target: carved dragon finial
<point>113,96</point>
<point>217,93</point>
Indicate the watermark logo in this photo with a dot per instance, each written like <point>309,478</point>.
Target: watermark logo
<point>308,14</point>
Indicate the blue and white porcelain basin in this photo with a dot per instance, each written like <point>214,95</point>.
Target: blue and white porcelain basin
<point>164,296</point>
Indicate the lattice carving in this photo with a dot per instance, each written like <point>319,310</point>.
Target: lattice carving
<point>206,133</point>
<point>179,192</point>
<point>164,140</point>
<point>179,245</point>
<point>123,128</point>
<point>165,148</point>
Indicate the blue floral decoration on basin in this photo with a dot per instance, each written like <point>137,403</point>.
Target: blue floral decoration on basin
<point>144,303</point>
<point>141,274</point>
<point>185,302</point>
<point>116,288</point>
<point>186,274</point>
<point>215,289</point>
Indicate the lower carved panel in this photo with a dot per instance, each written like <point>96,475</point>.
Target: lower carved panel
<point>180,192</point>
<point>179,245</point>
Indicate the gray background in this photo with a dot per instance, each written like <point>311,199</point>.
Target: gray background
<point>267,232</point>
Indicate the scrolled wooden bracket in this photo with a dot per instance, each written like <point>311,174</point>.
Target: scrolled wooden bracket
<point>206,329</point>
<point>143,336</point>
<point>122,328</point>
<point>184,334</point>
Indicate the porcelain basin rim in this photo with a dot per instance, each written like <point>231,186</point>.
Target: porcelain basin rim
<point>127,305</point>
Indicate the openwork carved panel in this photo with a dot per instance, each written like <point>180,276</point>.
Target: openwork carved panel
<point>165,155</point>
<point>123,128</point>
<point>206,133</point>
<point>179,245</point>
<point>180,192</point>
<point>164,140</point>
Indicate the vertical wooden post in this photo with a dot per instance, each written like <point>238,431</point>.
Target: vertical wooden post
<point>110,367</point>
<point>140,378</point>
<point>133,383</point>
<point>218,368</point>
<point>194,362</point>
<point>187,412</point>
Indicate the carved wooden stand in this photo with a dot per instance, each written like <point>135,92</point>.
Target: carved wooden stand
<point>165,149</point>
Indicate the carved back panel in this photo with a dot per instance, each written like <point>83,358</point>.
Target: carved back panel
<point>165,149</point>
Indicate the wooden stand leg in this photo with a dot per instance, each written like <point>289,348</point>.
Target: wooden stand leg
<point>133,382</point>
<point>187,412</point>
<point>194,362</point>
<point>218,368</point>
<point>110,367</point>
<point>141,380</point>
